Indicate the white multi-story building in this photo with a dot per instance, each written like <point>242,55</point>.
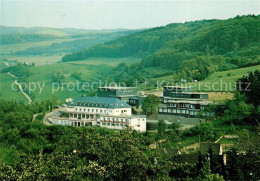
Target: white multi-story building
<point>105,112</point>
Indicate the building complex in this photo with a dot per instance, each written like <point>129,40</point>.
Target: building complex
<point>182,101</point>
<point>108,112</point>
<point>126,94</point>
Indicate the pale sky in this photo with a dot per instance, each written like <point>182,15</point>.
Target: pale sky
<point>130,14</point>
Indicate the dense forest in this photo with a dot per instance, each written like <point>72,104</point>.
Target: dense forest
<point>222,44</point>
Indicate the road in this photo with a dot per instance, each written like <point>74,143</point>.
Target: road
<point>20,88</point>
<point>156,121</point>
<point>35,115</point>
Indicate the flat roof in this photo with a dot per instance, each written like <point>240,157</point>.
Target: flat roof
<point>117,88</point>
<point>102,102</point>
<point>179,87</point>
<point>190,93</point>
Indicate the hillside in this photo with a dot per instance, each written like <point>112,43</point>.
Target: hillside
<point>48,45</point>
<point>235,40</point>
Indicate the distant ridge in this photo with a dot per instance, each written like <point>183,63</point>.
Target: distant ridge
<point>169,46</point>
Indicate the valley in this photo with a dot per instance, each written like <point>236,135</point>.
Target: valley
<point>178,101</point>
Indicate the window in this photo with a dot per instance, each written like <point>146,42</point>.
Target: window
<point>76,109</point>
<point>84,110</point>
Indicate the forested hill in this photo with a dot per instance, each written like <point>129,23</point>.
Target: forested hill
<point>170,45</point>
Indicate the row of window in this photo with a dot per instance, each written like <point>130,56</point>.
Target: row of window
<point>113,119</point>
<point>61,122</point>
<point>97,110</point>
<point>81,116</point>
<point>78,124</point>
<point>92,110</point>
<point>113,124</point>
<point>117,119</point>
<point>91,104</point>
<point>178,111</point>
<point>183,105</point>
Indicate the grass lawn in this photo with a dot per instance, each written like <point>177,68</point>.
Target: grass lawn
<point>6,90</point>
<point>38,59</point>
<point>86,71</point>
<point>220,96</point>
<point>42,75</point>
<point>224,81</point>
<point>13,48</point>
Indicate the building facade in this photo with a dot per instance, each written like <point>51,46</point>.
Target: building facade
<point>108,112</point>
<point>182,101</point>
<point>126,94</point>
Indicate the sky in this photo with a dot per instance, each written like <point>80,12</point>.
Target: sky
<point>127,14</point>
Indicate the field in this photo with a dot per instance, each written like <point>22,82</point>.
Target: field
<point>224,81</point>
<point>6,90</point>
<point>13,48</point>
<point>8,52</point>
<point>106,61</point>
<point>76,73</point>
<point>37,60</point>
<point>90,71</point>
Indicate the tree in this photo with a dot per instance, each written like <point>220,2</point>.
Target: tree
<point>58,76</point>
<point>250,86</point>
<point>233,165</point>
<point>200,163</point>
<point>150,104</point>
<point>212,160</point>
<point>238,110</point>
<point>161,127</point>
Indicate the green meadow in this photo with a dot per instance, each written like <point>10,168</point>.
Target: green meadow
<point>106,61</point>
<point>6,90</point>
<point>224,81</point>
<point>75,74</point>
<point>91,70</point>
